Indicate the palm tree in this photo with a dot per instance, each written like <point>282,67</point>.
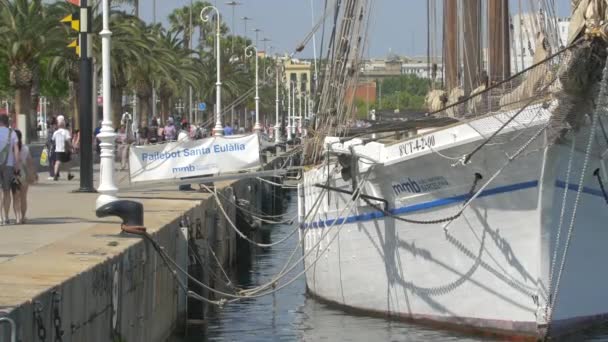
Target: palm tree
<point>129,49</point>
<point>184,71</point>
<point>134,3</point>
<point>160,67</point>
<point>27,34</point>
<point>179,21</point>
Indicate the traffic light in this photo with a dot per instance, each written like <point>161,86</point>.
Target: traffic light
<point>74,21</point>
<point>74,44</point>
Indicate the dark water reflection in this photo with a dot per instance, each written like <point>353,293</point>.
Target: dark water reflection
<point>289,315</point>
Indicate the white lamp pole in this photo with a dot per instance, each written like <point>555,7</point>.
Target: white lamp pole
<point>277,126</point>
<point>249,51</point>
<point>107,186</point>
<point>293,109</point>
<point>306,106</point>
<point>218,130</point>
<point>289,112</point>
<point>300,115</point>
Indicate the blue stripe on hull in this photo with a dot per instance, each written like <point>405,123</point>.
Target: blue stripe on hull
<point>446,201</point>
<point>423,206</point>
<point>574,187</point>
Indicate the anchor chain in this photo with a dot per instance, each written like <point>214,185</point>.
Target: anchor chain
<point>470,194</point>
<point>39,323</point>
<point>57,317</point>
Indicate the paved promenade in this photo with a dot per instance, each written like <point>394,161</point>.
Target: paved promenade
<point>63,237</point>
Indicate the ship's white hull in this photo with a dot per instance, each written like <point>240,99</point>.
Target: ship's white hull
<point>489,270</point>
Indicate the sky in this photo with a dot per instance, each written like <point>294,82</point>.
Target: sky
<point>395,25</point>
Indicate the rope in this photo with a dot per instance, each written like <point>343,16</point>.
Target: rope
<point>346,211</point>
<point>495,133</point>
<point>211,271</point>
<point>509,160</point>
<point>240,233</point>
<point>601,106</point>
<point>450,218</point>
<point>312,212</point>
<point>277,184</point>
<point>561,216</point>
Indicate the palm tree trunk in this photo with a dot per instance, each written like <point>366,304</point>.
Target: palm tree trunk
<point>74,102</point>
<point>23,102</point>
<point>35,94</point>
<point>116,106</point>
<point>165,106</point>
<point>143,108</point>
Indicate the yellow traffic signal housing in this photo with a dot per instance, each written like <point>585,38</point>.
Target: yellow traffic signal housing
<point>75,45</point>
<point>74,20</point>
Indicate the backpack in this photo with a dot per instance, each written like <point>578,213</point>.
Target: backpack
<point>4,153</point>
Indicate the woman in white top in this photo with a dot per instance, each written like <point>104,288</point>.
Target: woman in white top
<point>27,175</point>
<point>62,141</point>
<point>184,133</point>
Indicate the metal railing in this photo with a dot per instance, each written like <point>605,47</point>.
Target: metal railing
<point>13,327</point>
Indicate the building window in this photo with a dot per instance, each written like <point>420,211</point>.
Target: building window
<point>293,78</point>
<point>304,82</point>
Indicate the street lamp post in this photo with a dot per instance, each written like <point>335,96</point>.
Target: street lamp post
<point>107,187</point>
<point>293,109</point>
<point>249,51</point>
<point>264,41</point>
<point>245,20</point>
<point>218,130</point>
<point>300,114</point>
<point>257,32</point>
<point>233,4</point>
<point>277,126</point>
<point>289,111</point>
<point>306,109</point>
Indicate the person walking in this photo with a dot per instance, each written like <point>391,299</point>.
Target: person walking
<point>228,130</point>
<point>123,147</point>
<point>50,147</point>
<point>62,140</point>
<point>9,165</point>
<point>26,176</point>
<point>170,132</point>
<point>184,133</point>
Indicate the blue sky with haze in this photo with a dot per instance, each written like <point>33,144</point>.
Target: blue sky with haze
<point>399,25</point>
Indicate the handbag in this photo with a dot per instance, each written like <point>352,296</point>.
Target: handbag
<point>44,157</point>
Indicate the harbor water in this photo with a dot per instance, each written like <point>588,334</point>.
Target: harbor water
<point>291,315</point>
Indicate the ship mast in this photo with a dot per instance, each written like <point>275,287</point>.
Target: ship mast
<point>499,55</point>
<point>472,44</point>
<point>450,42</point>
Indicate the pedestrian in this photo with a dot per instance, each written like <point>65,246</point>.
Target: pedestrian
<point>62,140</point>
<point>228,130</point>
<point>26,176</point>
<point>170,132</point>
<point>153,132</point>
<point>76,141</point>
<point>9,165</point>
<point>123,147</point>
<point>97,141</point>
<point>51,128</point>
<point>184,133</point>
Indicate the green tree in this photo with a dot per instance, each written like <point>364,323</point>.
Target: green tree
<point>27,34</point>
<point>403,92</point>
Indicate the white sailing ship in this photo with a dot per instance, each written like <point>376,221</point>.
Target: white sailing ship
<point>493,222</point>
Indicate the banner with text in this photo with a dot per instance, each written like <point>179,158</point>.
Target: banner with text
<point>209,156</point>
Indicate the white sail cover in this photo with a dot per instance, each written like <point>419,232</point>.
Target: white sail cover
<point>211,156</point>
